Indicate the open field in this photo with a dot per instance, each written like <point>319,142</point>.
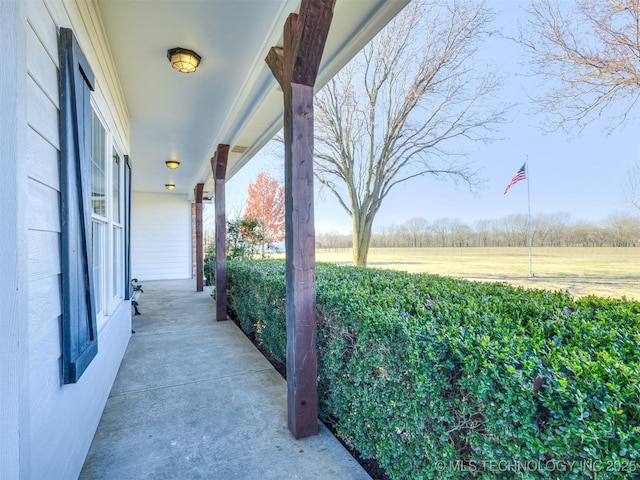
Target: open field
<point>608,272</point>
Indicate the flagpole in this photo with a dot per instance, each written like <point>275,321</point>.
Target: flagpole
<point>529,219</point>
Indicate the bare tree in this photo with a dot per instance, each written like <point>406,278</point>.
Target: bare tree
<point>389,115</point>
<point>416,228</point>
<point>461,234</point>
<point>588,53</point>
<point>442,229</point>
<point>550,230</point>
<point>514,229</point>
<point>632,185</point>
<point>483,230</point>
<point>623,230</point>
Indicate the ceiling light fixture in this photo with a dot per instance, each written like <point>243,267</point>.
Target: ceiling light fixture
<point>172,164</point>
<point>169,186</point>
<point>183,60</point>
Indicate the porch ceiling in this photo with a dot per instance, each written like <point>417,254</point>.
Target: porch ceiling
<point>232,98</point>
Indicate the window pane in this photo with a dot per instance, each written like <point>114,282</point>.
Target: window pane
<point>117,275</point>
<point>116,186</point>
<point>98,177</point>
<point>98,260</point>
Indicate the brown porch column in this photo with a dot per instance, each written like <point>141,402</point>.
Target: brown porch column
<point>295,66</point>
<point>197,193</point>
<point>219,167</point>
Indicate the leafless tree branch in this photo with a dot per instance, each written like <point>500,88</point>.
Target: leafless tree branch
<point>588,55</point>
<point>390,115</point>
<point>632,185</point>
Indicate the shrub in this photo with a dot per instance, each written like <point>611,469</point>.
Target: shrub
<point>256,293</point>
<point>210,266</point>
<point>443,378</point>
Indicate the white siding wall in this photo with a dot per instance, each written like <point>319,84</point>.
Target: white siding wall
<point>160,236</point>
<point>14,385</point>
<point>62,418</point>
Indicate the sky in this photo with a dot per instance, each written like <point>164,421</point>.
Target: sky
<point>581,175</point>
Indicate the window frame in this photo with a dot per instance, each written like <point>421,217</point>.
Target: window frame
<point>116,229</point>
<point>99,222</point>
<point>113,235</point>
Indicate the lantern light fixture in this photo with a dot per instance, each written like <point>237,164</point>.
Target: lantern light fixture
<point>172,164</point>
<point>169,186</point>
<point>183,60</point>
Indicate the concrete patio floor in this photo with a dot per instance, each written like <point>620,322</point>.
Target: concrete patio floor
<point>194,399</point>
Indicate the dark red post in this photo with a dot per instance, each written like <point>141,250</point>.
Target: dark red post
<point>219,167</point>
<point>295,66</point>
<point>199,254</point>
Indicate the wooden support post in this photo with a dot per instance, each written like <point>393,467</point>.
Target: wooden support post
<point>300,247</point>
<point>295,67</point>
<point>199,254</point>
<point>219,167</point>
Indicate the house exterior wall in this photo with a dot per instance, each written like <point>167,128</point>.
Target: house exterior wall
<point>14,385</point>
<point>46,427</point>
<point>160,236</point>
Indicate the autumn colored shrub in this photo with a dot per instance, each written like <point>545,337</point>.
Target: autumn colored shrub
<point>443,378</point>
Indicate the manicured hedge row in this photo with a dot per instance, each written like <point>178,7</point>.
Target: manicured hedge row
<point>443,378</point>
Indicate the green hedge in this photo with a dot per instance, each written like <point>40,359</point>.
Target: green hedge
<point>434,377</point>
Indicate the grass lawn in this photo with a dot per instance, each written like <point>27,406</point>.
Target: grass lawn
<point>608,272</point>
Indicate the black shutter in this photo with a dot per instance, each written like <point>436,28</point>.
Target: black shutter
<point>79,330</point>
<point>128,289</point>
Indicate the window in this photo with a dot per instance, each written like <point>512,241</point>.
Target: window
<point>92,206</point>
<point>117,239</point>
<point>98,269</point>
<point>117,275</point>
<point>98,174</point>
<point>99,210</point>
<point>108,236</point>
<point>115,190</point>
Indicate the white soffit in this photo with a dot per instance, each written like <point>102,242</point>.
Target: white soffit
<point>232,98</point>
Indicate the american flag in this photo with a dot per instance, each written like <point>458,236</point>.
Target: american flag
<point>521,175</point>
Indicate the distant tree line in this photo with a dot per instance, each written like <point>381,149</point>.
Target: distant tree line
<point>548,230</point>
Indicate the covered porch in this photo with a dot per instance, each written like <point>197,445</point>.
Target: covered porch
<point>95,121</point>
<point>252,80</point>
<point>195,399</point>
